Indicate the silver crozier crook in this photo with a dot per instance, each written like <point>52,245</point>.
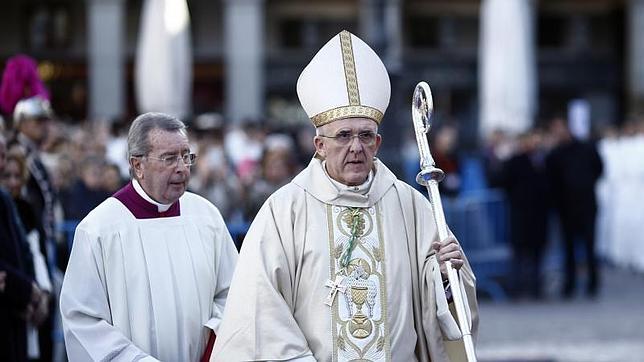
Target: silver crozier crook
<point>429,176</point>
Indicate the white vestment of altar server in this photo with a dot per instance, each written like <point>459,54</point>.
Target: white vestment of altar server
<point>146,288</point>
<point>289,301</point>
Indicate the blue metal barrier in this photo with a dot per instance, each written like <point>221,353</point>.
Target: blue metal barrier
<point>67,229</point>
<point>479,219</point>
<point>480,222</point>
<point>237,231</point>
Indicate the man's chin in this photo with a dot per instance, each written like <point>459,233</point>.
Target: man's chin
<point>357,179</point>
<point>356,168</point>
<point>176,192</point>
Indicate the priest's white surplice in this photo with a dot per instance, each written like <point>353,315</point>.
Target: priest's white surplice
<point>146,288</point>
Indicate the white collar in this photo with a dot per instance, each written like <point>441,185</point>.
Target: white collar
<point>139,190</point>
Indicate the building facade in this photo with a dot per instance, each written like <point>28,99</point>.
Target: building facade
<point>247,55</point>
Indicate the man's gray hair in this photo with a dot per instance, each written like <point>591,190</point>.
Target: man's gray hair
<point>138,140</point>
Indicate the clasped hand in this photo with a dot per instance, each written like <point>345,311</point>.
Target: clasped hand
<point>38,308</point>
<point>448,250</point>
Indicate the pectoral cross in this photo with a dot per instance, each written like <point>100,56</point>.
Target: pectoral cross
<point>336,286</point>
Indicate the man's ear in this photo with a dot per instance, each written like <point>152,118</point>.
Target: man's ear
<point>319,146</point>
<point>137,167</point>
<point>378,142</point>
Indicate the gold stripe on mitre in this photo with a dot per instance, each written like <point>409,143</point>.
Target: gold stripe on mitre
<point>349,63</point>
<point>346,112</point>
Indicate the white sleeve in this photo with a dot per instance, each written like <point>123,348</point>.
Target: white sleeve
<point>307,358</point>
<point>87,324</point>
<point>225,261</point>
<point>259,324</point>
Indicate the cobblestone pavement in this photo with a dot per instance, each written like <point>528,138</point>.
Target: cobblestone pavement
<point>609,328</point>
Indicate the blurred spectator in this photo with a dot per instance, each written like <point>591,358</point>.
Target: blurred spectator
<point>305,149</point>
<point>64,175</point>
<point>573,168</point>
<point>14,178</point>
<point>32,117</point>
<point>523,176</point>
<point>20,80</point>
<point>31,122</point>
<point>88,191</point>
<point>277,168</point>
<point>112,180</point>
<point>215,180</point>
<point>497,149</point>
<point>244,147</point>
<point>213,177</point>
<point>116,148</point>
<point>620,193</point>
<point>444,152</point>
<point>20,299</point>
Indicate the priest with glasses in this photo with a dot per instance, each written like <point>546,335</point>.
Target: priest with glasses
<point>151,266</point>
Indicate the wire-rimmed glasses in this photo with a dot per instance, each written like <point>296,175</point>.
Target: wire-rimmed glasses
<point>173,160</point>
<point>367,138</point>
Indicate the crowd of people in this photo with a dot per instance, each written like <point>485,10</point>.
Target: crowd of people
<point>578,190</point>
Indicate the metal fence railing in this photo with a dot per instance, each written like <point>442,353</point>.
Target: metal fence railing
<point>479,220</point>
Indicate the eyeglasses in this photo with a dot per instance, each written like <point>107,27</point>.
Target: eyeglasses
<point>367,138</point>
<point>173,160</point>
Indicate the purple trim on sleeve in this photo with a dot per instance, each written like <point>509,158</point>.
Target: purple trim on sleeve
<point>140,208</point>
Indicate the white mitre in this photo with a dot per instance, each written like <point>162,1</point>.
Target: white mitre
<point>345,79</point>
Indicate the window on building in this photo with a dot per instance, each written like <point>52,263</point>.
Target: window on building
<point>444,32</point>
<point>466,32</point>
<point>552,30</point>
<point>423,32</point>
<point>310,33</point>
<point>49,26</point>
<point>603,32</point>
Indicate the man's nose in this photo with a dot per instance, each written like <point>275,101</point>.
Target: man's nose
<point>182,166</point>
<point>355,145</point>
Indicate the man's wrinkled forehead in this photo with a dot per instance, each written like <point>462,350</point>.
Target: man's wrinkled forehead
<point>354,123</point>
<point>159,139</point>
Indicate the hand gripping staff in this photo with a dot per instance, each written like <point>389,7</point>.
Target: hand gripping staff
<point>429,176</point>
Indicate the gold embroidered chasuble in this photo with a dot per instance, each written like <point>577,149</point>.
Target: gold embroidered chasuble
<point>360,311</point>
<point>297,294</point>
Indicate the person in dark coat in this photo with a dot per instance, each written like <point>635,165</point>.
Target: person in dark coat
<point>524,179</point>
<point>31,121</point>
<point>87,192</point>
<point>446,157</point>
<point>20,294</point>
<point>573,168</point>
